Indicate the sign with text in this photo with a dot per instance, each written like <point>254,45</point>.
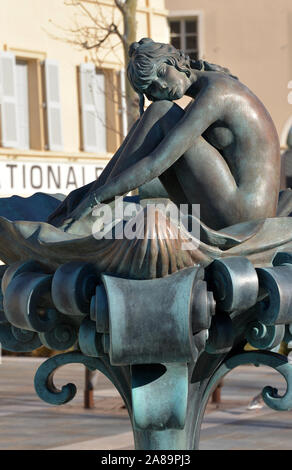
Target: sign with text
<point>28,177</point>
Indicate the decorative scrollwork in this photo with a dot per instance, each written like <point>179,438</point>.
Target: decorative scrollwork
<point>276,308</point>
<point>3,318</point>
<point>18,340</point>
<point>104,319</point>
<point>262,336</point>
<point>221,334</point>
<point>288,333</point>
<point>90,342</point>
<point>46,390</point>
<point>20,267</point>
<point>234,283</point>
<point>27,302</point>
<point>63,336</point>
<point>73,287</point>
<point>270,395</point>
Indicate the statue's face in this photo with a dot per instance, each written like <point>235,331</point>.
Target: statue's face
<point>169,83</point>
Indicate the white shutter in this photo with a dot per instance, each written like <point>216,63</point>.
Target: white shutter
<point>9,120</point>
<point>53,106</point>
<point>93,109</point>
<point>22,103</point>
<point>100,110</point>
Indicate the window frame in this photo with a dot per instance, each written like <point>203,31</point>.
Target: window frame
<point>183,16</point>
<point>28,99</point>
<point>34,60</point>
<point>50,105</point>
<point>88,107</point>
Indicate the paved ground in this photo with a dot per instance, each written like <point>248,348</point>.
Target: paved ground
<point>28,423</point>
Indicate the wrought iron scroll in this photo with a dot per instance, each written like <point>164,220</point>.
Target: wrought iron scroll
<point>151,350</point>
<point>47,391</point>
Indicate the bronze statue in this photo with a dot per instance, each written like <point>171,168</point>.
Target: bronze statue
<point>163,322</point>
<point>222,152</point>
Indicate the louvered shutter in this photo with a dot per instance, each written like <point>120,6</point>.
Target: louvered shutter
<point>22,103</point>
<point>93,109</point>
<point>9,121</point>
<point>53,106</point>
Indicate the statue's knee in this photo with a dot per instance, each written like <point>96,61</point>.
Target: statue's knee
<point>158,108</point>
<point>162,107</point>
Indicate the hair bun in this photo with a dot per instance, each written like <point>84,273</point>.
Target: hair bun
<point>145,41</point>
<point>135,45</point>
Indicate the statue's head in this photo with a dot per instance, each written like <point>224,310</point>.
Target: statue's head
<point>160,71</point>
<point>153,65</point>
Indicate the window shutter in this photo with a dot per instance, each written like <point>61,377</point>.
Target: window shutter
<point>53,106</point>
<point>9,121</point>
<point>93,114</point>
<point>22,103</point>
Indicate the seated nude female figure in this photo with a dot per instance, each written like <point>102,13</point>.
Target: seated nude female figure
<point>221,152</point>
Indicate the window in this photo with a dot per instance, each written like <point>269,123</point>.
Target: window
<point>21,115</point>
<point>53,106</point>
<point>93,108</point>
<point>9,121</point>
<point>22,103</point>
<point>184,35</point>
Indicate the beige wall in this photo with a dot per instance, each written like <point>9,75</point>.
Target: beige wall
<point>26,29</point>
<point>254,39</point>
<point>27,25</point>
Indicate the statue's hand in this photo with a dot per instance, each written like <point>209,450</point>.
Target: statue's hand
<point>84,208</point>
<point>64,209</point>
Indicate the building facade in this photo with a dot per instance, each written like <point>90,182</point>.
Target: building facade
<point>61,115</point>
<point>61,112</point>
<point>253,38</point>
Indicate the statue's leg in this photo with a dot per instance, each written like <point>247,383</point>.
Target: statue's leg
<point>143,137</point>
<point>62,211</point>
<point>200,176</point>
<point>158,119</point>
<point>207,180</point>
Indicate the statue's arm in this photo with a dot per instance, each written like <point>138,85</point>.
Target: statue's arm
<point>74,198</point>
<point>199,116</point>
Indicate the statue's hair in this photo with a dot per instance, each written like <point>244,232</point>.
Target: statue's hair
<point>146,56</point>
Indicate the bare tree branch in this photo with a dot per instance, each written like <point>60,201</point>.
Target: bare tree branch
<point>100,28</point>
<point>110,31</point>
<point>120,6</point>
